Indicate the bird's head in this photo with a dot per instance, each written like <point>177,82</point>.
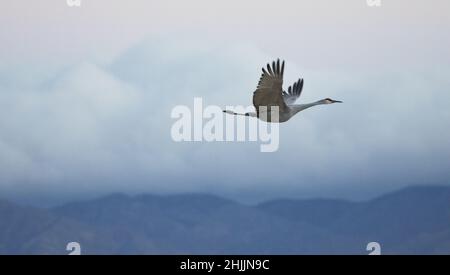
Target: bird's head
<point>329,101</point>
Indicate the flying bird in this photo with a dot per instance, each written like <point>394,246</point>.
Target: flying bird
<point>269,94</point>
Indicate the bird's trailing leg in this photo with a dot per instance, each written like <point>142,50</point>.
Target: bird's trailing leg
<point>238,114</point>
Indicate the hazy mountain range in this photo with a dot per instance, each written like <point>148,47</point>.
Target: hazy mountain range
<point>415,220</point>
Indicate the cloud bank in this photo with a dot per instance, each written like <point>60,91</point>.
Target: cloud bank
<point>101,128</point>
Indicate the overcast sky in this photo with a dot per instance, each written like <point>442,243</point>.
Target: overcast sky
<point>86,95</point>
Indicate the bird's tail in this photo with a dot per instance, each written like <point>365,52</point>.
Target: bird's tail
<point>238,114</point>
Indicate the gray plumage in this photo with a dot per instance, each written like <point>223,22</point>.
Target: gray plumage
<point>269,94</point>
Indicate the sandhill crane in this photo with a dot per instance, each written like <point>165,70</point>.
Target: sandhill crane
<point>270,93</point>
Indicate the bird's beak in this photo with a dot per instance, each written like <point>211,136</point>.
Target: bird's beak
<point>337,101</point>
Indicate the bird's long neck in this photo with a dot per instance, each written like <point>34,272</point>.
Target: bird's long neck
<point>300,107</point>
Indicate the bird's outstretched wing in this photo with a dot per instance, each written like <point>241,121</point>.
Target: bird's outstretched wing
<point>269,90</point>
<point>293,92</point>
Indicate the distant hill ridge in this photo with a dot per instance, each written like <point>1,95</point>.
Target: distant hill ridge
<point>414,220</point>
